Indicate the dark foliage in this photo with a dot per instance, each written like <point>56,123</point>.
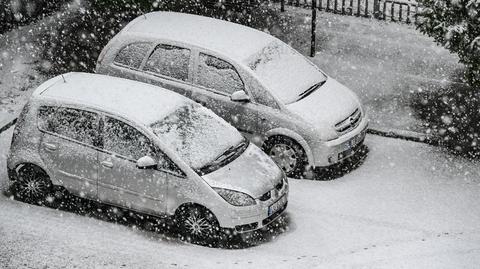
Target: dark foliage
<point>453,117</point>
<point>455,24</point>
<point>18,12</point>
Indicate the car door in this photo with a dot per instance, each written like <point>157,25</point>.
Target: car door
<point>169,66</point>
<point>217,79</point>
<point>69,147</point>
<point>120,181</point>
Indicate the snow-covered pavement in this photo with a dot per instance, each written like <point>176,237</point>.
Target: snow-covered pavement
<point>409,205</point>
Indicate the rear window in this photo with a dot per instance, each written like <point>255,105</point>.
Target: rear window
<point>72,123</point>
<point>132,55</point>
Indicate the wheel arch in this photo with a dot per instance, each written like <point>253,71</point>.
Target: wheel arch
<point>293,136</point>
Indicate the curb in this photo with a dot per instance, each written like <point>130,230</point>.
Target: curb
<point>8,125</point>
<point>405,135</point>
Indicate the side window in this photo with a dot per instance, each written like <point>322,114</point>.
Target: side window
<point>72,123</point>
<point>214,73</point>
<point>262,96</point>
<point>170,61</point>
<point>132,55</point>
<point>125,140</point>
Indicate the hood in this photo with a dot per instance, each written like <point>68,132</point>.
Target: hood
<point>327,105</point>
<point>253,173</point>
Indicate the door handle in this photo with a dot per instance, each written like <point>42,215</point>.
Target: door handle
<point>107,164</point>
<point>50,146</point>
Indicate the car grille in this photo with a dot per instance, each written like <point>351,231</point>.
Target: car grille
<point>266,196</point>
<point>350,122</point>
<point>279,186</point>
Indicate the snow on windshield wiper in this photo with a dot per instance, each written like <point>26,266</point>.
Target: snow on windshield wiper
<point>226,155</point>
<point>311,89</point>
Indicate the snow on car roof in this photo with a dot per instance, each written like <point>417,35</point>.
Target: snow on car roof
<point>232,39</point>
<point>131,99</point>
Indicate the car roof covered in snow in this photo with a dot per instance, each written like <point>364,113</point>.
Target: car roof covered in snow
<point>234,40</point>
<point>131,99</point>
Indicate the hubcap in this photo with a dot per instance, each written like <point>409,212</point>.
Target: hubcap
<point>197,225</point>
<point>32,186</point>
<point>285,156</point>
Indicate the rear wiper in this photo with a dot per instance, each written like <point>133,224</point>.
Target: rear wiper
<point>311,89</point>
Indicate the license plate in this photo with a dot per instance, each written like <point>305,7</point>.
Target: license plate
<point>277,205</point>
<point>354,141</point>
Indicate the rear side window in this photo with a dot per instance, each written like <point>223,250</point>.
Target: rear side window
<point>170,61</point>
<point>219,75</point>
<point>132,55</point>
<point>72,123</point>
<point>125,140</point>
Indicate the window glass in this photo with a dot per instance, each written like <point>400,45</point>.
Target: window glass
<point>72,123</point>
<point>214,73</point>
<point>132,55</point>
<point>125,140</point>
<point>262,96</point>
<point>170,61</point>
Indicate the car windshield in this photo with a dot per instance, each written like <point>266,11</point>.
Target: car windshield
<point>197,135</point>
<point>285,72</point>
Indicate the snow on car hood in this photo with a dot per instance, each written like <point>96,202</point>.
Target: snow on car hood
<point>253,173</point>
<point>326,106</point>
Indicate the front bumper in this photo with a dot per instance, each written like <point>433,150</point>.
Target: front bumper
<point>246,219</point>
<point>337,150</point>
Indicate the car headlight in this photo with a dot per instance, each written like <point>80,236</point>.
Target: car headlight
<point>235,198</point>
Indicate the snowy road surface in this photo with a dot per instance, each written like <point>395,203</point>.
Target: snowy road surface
<point>409,205</point>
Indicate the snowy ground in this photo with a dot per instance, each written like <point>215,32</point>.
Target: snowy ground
<point>408,206</point>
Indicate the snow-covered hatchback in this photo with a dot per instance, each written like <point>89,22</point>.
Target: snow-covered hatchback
<point>281,101</point>
<point>143,148</point>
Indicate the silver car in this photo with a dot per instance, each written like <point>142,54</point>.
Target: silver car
<point>143,148</point>
<point>281,101</point>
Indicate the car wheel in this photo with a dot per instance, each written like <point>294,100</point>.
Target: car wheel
<point>288,155</point>
<point>32,185</point>
<point>198,225</point>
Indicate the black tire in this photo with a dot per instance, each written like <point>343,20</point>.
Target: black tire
<point>295,168</point>
<point>32,185</point>
<point>198,225</point>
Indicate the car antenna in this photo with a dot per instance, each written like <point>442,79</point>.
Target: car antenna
<point>64,81</point>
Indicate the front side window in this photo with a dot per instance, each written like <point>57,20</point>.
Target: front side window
<point>219,75</point>
<point>170,61</point>
<point>132,55</point>
<point>125,140</point>
<point>72,123</point>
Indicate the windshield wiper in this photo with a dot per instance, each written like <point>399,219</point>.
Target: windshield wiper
<point>311,89</point>
<point>222,158</point>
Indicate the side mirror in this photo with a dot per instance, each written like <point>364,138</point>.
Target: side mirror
<point>239,96</point>
<point>146,162</point>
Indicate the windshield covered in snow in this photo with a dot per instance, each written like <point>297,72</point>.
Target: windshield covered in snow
<point>285,72</point>
<point>197,135</point>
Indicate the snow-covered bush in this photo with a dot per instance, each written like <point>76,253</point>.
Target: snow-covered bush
<point>453,114</point>
<point>453,117</point>
<point>455,24</point>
